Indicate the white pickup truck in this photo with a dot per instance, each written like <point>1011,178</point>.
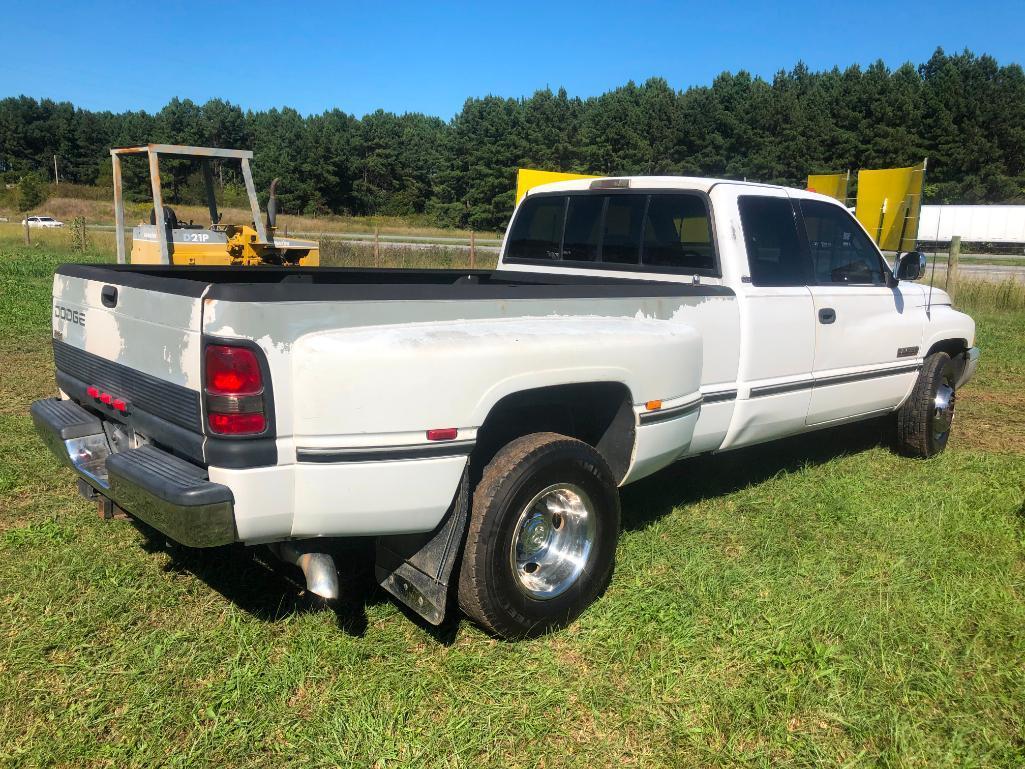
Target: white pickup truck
<point>478,424</point>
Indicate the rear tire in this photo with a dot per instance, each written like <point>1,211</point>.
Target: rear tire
<point>924,421</point>
<point>541,543</point>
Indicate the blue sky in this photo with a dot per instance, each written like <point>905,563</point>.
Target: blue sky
<point>428,57</point>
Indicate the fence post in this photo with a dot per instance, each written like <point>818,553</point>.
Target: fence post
<point>952,258</point>
<point>473,249</point>
<point>79,238</point>
<point>28,237</point>
<point>377,246</point>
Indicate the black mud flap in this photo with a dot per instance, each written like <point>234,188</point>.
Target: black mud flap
<point>416,568</point>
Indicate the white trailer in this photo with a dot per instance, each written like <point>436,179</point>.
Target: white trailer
<point>973,224</point>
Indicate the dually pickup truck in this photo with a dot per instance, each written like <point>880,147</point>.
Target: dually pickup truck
<point>478,424</point>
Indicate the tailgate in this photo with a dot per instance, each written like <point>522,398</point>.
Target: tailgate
<point>138,340</point>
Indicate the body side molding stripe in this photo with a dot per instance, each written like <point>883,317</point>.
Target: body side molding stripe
<point>651,417</point>
<point>807,384</point>
<point>386,453</point>
<point>804,384</point>
<point>720,396</point>
<point>845,378</point>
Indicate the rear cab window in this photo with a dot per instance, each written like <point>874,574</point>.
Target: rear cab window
<point>775,255</point>
<point>643,231</point>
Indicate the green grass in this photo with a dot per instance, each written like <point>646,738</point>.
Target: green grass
<point>986,296</point>
<point>1004,260</point>
<point>817,602</point>
<point>941,261</point>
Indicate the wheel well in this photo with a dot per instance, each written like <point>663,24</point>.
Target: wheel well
<point>953,347</point>
<point>597,413</point>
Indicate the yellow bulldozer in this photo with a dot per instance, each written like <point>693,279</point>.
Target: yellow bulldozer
<point>184,243</point>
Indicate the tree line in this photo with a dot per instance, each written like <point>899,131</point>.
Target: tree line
<point>964,111</point>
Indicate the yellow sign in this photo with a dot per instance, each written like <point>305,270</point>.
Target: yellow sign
<point>528,178</point>
<point>834,185</point>
<point>889,203</point>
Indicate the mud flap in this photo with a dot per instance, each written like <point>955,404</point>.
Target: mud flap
<point>416,568</point>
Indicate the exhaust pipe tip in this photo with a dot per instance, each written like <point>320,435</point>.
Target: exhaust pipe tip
<point>318,568</point>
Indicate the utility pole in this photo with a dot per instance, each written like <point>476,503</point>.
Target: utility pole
<point>56,177</point>
<point>953,256</point>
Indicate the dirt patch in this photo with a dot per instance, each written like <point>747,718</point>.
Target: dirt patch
<point>990,420</point>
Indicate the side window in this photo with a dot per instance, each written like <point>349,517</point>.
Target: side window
<point>840,250</point>
<point>621,235</point>
<point>583,228</point>
<point>774,251</point>
<point>678,233</point>
<point>537,231</point>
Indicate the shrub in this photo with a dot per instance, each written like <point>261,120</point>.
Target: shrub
<point>31,192</point>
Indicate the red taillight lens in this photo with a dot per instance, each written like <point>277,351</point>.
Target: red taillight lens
<point>234,391</point>
<point>232,371</point>
<point>237,424</point>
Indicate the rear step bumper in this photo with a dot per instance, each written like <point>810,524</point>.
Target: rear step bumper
<point>172,495</point>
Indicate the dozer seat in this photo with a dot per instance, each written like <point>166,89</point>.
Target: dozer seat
<point>170,218</point>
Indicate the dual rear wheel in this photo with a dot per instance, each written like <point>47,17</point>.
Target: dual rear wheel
<point>542,536</point>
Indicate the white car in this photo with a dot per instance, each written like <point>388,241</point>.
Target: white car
<point>41,221</point>
<point>485,420</point>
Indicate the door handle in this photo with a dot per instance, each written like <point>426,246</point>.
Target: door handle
<point>827,315</point>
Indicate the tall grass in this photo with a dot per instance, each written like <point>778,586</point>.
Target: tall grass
<point>339,253</point>
<point>100,243</point>
<point>980,295</point>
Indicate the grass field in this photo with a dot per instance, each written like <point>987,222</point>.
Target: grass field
<point>818,602</point>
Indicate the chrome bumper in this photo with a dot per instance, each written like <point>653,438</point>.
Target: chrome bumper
<point>971,362</point>
<point>171,495</point>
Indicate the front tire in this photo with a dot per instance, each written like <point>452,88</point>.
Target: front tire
<point>925,419</point>
<point>541,543</point>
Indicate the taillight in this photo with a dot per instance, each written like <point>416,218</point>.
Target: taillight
<point>234,391</point>
<point>232,371</point>
<point>237,424</point>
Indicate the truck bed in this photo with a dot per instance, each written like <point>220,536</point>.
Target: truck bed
<point>284,284</point>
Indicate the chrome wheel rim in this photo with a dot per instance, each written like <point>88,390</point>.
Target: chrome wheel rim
<point>943,406</point>
<point>552,541</point>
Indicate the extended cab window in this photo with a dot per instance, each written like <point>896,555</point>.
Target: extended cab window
<point>581,240</point>
<point>678,233</point>
<point>621,234</point>
<point>840,250</point>
<point>537,231</point>
<point>774,252</point>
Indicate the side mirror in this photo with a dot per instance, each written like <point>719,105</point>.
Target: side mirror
<point>910,265</point>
